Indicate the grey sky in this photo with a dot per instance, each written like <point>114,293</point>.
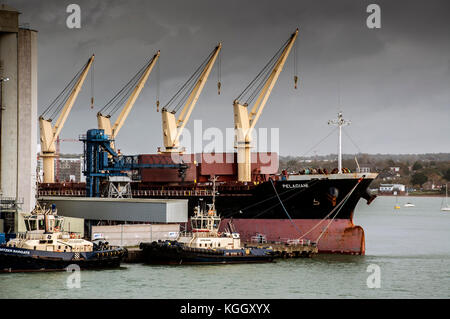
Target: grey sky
<point>394,82</point>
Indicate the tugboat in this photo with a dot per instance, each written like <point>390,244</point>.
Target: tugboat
<point>205,244</point>
<point>46,247</point>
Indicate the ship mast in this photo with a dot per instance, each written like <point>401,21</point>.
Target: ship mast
<point>339,122</point>
<point>214,179</point>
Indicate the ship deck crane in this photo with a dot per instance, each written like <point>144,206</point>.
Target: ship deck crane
<point>130,92</point>
<point>260,88</point>
<point>63,104</point>
<point>186,97</point>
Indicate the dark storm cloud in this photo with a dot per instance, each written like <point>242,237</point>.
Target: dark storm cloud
<point>393,83</point>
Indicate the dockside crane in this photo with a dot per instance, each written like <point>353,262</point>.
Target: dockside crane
<point>185,99</point>
<point>130,92</point>
<point>63,104</point>
<point>260,88</point>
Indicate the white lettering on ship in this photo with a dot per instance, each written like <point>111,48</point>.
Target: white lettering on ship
<point>295,185</point>
<point>7,250</point>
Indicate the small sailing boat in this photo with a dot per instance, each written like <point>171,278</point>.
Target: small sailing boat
<point>408,204</point>
<point>445,208</point>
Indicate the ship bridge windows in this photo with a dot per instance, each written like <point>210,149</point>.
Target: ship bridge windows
<point>199,223</point>
<point>43,241</point>
<point>31,224</point>
<point>59,223</point>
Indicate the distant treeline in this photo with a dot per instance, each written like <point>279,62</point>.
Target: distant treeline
<point>437,157</point>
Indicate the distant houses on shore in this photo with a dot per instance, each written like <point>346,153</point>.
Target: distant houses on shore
<point>393,189</point>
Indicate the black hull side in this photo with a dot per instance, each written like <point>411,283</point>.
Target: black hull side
<point>38,261</point>
<point>177,255</point>
<point>303,199</point>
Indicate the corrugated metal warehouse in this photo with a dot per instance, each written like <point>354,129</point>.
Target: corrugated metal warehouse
<point>121,209</point>
<point>133,235</point>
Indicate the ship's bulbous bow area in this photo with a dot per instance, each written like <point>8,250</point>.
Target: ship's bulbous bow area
<point>341,236</point>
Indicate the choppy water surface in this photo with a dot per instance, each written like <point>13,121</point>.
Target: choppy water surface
<point>411,246</point>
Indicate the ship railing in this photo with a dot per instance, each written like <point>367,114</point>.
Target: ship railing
<point>68,192</point>
<point>171,192</point>
<point>186,234</point>
<point>258,239</point>
<point>24,235</point>
<point>303,242</point>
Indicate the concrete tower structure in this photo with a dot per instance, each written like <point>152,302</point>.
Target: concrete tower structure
<point>18,114</point>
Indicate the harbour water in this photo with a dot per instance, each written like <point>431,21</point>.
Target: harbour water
<point>411,247</point>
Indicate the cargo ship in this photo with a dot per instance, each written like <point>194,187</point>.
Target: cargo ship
<point>303,204</point>
<point>281,207</point>
<point>316,205</point>
<point>313,204</point>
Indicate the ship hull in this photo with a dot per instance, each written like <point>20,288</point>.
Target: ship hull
<point>174,254</point>
<point>289,209</point>
<point>273,208</point>
<point>25,260</point>
<point>341,236</point>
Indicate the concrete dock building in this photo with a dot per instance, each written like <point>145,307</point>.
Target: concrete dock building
<point>18,114</point>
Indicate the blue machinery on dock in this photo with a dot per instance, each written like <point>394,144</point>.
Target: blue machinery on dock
<point>102,161</point>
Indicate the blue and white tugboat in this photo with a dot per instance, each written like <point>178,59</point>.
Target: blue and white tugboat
<point>46,247</point>
<point>204,244</point>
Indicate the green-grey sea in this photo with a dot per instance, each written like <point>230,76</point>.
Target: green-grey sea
<point>408,248</point>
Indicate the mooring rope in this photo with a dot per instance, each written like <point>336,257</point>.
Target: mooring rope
<point>344,201</point>
<point>340,205</point>
<point>284,208</point>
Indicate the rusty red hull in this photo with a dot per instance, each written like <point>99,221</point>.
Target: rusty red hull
<point>342,236</point>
